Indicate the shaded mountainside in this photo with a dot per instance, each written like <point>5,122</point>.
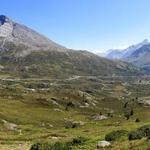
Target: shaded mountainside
<point>26,53</point>
<point>60,64</point>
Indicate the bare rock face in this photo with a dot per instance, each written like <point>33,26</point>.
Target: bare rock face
<point>24,37</point>
<point>6,27</point>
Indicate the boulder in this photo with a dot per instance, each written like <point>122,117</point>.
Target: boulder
<point>103,144</point>
<point>81,123</point>
<point>10,126</point>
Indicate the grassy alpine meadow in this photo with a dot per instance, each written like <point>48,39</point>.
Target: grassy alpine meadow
<point>80,110</point>
<point>88,91</point>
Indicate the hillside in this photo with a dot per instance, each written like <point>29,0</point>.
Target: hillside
<point>26,53</point>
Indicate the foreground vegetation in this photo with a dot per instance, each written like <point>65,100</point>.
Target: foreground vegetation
<point>74,113</point>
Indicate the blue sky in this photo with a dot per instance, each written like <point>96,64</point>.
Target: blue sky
<point>95,25</point>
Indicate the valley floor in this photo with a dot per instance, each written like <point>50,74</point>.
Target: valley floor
<point>46,110</point>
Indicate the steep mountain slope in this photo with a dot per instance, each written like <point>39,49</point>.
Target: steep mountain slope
<point>26,53</point>
<point>27,39</point>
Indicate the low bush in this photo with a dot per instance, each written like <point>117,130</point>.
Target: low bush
<point>145,129</point>
<point>36,146</point>
<point>78,141</point>
<point>141,132</point>
<point>58,145</point>
<point>114,135</point>
<point>134,135</point>
<point>70,124</point>
<point>137,120</point>
<point>47,146</point>
<point>128,113</point>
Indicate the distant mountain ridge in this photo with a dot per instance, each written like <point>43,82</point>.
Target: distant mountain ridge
<point>124,53</point>
<point>141,57</point>
<point>138,55</point>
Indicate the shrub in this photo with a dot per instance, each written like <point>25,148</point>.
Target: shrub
<point>78,141</point>
<point>60,146</point>
<point>125,105</point>
<point>145,129</point>
<point>128,113</point>
<point>141,132</point>
<point>131,112</point>
<point>36,146</point>
<point>114,135</point>
<point>134,135</point>
<point>70,124</point>
<point>70,104</point>
<point>47,146</point>
<point>137,120</point>
<point>110,115</point>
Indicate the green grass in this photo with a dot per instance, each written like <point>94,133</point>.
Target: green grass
<point>40,120</point>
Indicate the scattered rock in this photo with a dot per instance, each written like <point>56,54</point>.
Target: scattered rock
<point>50,125</point>
<point>46,125</point>
<point>66,98</point>
<point>145,102</point>
<point>93,103</point>
<point>10,126</point>
<point>54,138</point>
<point>99,117</point>
<point>73,124</point>
<point>87,104</point>
<point>1,67</point>
<point>56,109</point>
<point>54,102</point>
<point>103,144</point>
<point>81,123</point>
<point>29,89</point>
<point>81,106</point>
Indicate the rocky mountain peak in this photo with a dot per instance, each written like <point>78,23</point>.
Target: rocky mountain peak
<point>6,26</point>
<point>4,19</point>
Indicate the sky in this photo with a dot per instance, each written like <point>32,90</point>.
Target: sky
<point>94,25</point>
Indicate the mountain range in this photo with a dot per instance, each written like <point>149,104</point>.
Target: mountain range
<point>138,55</point>
<point>26,53</point>
<point>124,53</point>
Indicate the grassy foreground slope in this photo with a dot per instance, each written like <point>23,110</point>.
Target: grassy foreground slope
<point>34,110</point>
